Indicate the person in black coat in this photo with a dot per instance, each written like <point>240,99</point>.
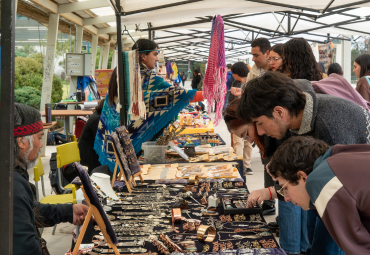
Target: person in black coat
<point>28,132</point>
<point>88,155</point>
<point>196,83</point>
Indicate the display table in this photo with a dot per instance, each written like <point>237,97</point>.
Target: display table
<point>135,228</point>
<point>67,114</point>
<point>194,130</point>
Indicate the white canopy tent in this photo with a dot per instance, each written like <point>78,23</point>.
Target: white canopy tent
<point>182,27</point>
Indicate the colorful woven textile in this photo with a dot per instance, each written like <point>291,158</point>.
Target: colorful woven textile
<point>136,109</point>
<point>163,103</point>
<point>214,83</point>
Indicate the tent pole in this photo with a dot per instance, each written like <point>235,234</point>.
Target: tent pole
<point>122,90</point>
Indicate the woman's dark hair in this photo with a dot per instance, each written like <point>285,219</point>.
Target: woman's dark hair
<point>144,45</point>
<point>112,87</point>
<point>335,68</point>
<point>197,71</point>
<point>278,48</point>
<point>99,107</point>
<point>228,66</point>
<point>264,93</point>
<point>230,115</point>
<point>263,43</point>
<point>240,68</point>
<point>364,62</point>
<point>298,153</point>
<point>299,61</point>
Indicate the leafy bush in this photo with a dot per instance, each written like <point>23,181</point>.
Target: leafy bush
<point>28,96</point>
<point>29,73</point>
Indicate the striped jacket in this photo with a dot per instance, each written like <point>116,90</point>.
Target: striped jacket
<point>339,190</point>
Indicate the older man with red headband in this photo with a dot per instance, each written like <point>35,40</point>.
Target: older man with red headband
<point>28,131</point>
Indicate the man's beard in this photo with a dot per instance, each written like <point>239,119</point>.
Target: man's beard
<point>282,129</point>
<point>30,164</point>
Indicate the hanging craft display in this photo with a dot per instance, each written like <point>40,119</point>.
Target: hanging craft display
<point>214,83</point>
<point>134,91</point>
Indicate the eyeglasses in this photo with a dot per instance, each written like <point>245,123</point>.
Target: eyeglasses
<point>282,191</point>
<point>273,59</point>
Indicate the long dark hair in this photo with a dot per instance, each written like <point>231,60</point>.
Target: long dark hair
<point>299,61</point>
<point>112,87</point>
<point>99,107</point>
<point>364,62</point>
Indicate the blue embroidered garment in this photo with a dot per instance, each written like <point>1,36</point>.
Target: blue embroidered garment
<point>163,103</point>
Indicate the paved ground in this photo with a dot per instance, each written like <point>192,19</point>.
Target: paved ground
<point>59,243</point>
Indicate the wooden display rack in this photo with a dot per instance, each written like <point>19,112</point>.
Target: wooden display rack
<point>99,220</point>
<point>129,183</point>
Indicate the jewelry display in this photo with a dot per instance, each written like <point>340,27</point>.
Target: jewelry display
<point>202,231</point>
<point>160,246</point>
<point>189,246</point>
<point>97,187</point>
<point>144,216</point>
<point>134,243</point>
<point>255,244</point>
<point>240,217</point>
<point>194,180</point>
<point>169,244</point>
<point>268,244</point>
<point>215,246</point>
<point>125,250</point>
<point>205,248</point>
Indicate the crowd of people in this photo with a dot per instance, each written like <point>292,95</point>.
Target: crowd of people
<point>312,129</point>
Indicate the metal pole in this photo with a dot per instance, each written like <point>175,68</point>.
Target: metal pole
<point>122,90</point>
<point>149,32</point>
<point>7,125</point>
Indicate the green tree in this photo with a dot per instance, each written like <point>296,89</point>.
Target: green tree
<point>28,96</point>
<point>27,49</point>
<point>29,73</point>
<point>98,58</point>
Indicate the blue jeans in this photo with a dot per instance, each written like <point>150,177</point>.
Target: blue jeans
<point>292,228</point>
<point>320,240</point>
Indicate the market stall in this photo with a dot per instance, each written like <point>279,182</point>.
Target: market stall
<point>208,215</point>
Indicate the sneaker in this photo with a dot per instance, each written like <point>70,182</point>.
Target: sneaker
<point>248,171</point>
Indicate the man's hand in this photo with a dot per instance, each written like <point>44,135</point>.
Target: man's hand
<point>79,213</point>
<point>257,196</point>
<point>236,91</point>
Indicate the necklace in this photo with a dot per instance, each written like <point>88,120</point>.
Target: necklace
<point>97,187</point>
<point>238,237</point>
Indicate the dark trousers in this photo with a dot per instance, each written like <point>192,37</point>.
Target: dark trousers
<point>183,83</point>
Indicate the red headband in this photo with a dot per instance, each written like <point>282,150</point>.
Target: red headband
<point>28,129</point>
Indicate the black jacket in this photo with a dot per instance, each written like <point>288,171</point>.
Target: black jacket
<point>195,81</point>
<point>26,240</point>
<point>88,155</point>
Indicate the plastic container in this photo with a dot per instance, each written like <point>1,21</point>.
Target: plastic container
<point>154,154</point>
